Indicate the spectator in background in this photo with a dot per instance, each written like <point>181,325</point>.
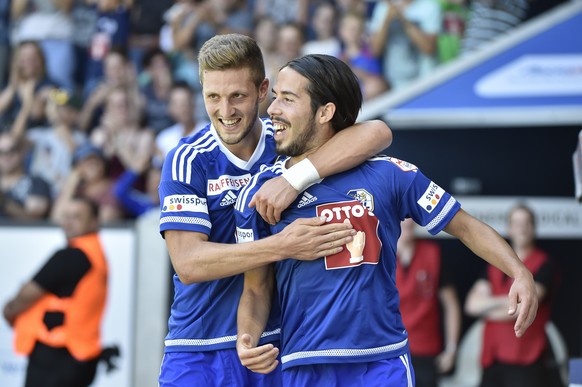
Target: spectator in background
<point>51,25</point>
<point>290,41</point>
<point>449,40</point>
<point>22,195</point>
<point>136,201</point>
<point>265,34</point>
<point>357,54</point>
<point>111,32</point>
<point>57,314</point>
<point>181,109</point>
<point>4,41</point>
<point>489,19</point>
<point>119,72</point>
<point>89,179</point>
<point>147,19</point>
<point>53,146</point>
<point>283,11</point>
<point>121,131</point>
<point>404,33</point>
<point>198,21</point>
<point>507,360</point>
<point>425,286</point>
<point>193,22</point>
<point>27,71</point>
<point>323,25</point>
<point>84,15</point>
<point>155,85</point>
<point>356,6</point>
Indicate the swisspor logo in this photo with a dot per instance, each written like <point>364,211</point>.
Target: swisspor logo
<point>225,183</point>
<point>179,203</point>
<point>404,165</point>
<point>244,235</point>
<point>365,249</point>
<point>431,197</point>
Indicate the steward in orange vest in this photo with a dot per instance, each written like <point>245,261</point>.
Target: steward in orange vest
<point>57,315</point>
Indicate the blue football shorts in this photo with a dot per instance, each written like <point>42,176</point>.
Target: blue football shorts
<point>212,368</point>
<point>396,372</point>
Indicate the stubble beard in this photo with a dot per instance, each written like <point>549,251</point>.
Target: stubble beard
<point>244,133</point>
<point>300,144</point>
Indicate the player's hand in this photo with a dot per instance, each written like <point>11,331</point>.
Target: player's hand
<point>8,314</point>
<point>356,247</point>
<point>523,292</point>
<point>445,361</point>
<point>261,359</point>
<point>307,239</point>
<point>273,198</point>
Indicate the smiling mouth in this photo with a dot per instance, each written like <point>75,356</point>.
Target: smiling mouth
<point>230,123</point>
<point>279,127</point>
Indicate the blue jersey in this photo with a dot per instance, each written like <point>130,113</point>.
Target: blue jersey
<point>345,307</point>
<point>199,186</point>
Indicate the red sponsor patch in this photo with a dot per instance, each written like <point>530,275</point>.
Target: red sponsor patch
<point>364,221</point>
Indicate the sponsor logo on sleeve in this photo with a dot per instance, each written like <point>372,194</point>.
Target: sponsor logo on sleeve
<point>244,235</point>
<point>181,203</point>
<point>431,197</point>
<point>404,165</point>
<point>225,183</point>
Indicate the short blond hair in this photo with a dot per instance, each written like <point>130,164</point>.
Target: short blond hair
<point>232,51</point>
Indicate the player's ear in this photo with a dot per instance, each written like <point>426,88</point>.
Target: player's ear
<point>326,112</point>
<point>263,89</point>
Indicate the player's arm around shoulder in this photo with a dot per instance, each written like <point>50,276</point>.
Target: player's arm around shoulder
<point>337,155</point>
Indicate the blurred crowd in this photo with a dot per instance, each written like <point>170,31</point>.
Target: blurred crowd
<point>94,93</point>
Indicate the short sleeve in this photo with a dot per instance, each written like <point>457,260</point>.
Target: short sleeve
<point>63,271</point>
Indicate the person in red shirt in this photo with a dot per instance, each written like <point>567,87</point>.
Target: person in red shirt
<point>507,360</point>
<point>425,288</point>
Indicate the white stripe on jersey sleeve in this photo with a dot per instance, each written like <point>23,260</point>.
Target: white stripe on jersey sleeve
<point>183,156</point>
<point>437,219</point>
<point>243,198</point>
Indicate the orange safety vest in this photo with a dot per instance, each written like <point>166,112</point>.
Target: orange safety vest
<point>83,310</point>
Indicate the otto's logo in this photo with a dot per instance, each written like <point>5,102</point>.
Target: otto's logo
<point>355,210</point>
<point>363,221</point>
<point>191,203</point>
<point>225,183</point>
<point>244,235</point>
<point>431,197</point>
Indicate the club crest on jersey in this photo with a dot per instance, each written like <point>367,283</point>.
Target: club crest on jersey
<point>364,221</point>
<point>363,197</point>
<point>180,203</point>
<point>225,183</point>
<point>404,165</point>
<point>431,197</point>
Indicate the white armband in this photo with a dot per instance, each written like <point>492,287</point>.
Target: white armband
<point>302,175</point>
